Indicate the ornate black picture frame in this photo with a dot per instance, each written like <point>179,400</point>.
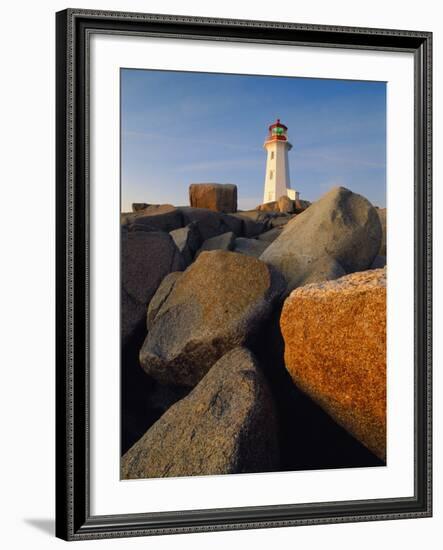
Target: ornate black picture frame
<point>73,517</point>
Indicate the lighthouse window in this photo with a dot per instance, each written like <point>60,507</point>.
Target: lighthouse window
<point>271,174</point>
<point>272,155</point>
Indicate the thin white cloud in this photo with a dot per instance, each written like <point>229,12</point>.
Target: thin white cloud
<point>190,140</point>
<point>345,157</point>
<point>220,164</point>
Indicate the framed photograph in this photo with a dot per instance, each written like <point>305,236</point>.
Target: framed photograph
<point>243,274</point>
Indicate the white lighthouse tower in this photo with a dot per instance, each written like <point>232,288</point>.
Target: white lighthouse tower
<point>277,166</point>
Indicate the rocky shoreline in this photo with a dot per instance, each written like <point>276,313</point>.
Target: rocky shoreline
<point>253,341</point>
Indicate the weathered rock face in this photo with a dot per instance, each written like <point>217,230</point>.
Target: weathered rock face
<point>146,257</point>
<point>382,215</point>
<point>225,425</point>
<point>335,351</point>
<point>254,215</point>
<point>279,221</point>
<point>162,293</point>
<point>379,262</point>
<point>218,304</point>
<point>250,247</point>
<point>271,235</point>
<point>214,196</point>
<point>250,227</point>
<point>187,240</point>
<point>341,225</point>
<point>300,205</point>
<point>269,207</point>
<point>285,205</point>
<point>221,242</point>
<point>233,223</point>
<point>134,226</point>
<point>264,219</point>
<point>126,217</point>
<point>136,206</point>
<point>159,217</point>
<point>209,223</point>
<point>323,269</point>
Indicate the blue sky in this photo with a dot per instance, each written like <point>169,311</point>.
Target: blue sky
<point>183,127</point>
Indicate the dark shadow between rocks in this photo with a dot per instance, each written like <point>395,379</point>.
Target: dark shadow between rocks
<point>309,438</point>
<point>143,400</point>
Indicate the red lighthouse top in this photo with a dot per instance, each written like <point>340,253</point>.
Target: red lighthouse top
<point>277,124</point>
<point>277,131</point>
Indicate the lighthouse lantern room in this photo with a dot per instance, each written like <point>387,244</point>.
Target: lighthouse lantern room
<point>277,166</point>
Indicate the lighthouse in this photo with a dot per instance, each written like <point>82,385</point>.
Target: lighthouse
<point>277,166</point>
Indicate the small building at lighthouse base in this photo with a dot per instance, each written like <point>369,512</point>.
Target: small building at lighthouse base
<point>293,194</point>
